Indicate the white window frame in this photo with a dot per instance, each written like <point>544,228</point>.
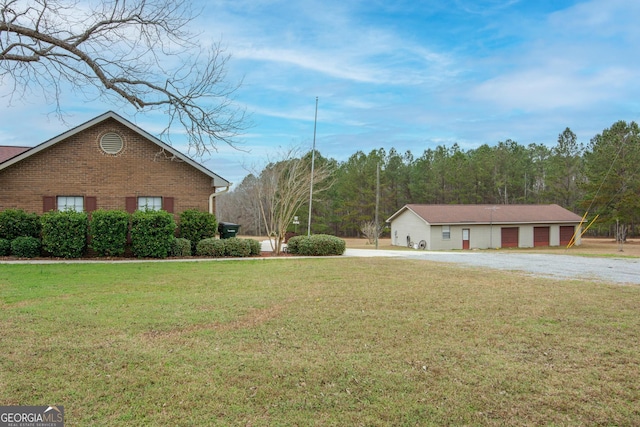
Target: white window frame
<point>149,203</point>
<point>72,203</point>
<point>446,232</point>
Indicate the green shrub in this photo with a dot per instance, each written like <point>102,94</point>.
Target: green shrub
<point>293,243</point>
<point>18,223</point>
<point>152,233</point>
<point>255,247</point>
<point>109,232</point>
<point>25,247</point>
<point>181,247</point>
<point>237,248</point>
<point>316,245</point>
<point>196,225</point>
<point>210,247</point>
<point>64,234</point>
<point>5,247</point>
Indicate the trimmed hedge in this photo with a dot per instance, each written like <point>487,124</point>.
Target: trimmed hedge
<point>64,234</point>
<point>293,243</point>
<point>233,247</point>
<point>152,233</point>
<point>316,245</point>
<point>237,248</point>
<point>109,230</point>
<point>5,247</point>
<point>255,247</point>
<point>18,223</point>
<point>196,225</point>
<point>181,247</point>
<point>210,247</point>
<point>25,247</point>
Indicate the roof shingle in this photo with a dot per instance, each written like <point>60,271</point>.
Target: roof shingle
<point>7,151</point>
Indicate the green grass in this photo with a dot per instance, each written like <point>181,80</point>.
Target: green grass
<point>321,342</point>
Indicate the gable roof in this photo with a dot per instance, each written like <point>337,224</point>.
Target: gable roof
<point>9,151</point>
<point>486,214</point>
<point>217,180</point>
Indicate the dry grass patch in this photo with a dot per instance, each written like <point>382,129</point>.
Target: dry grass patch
<point>318,342</point>
<point>604,247</point>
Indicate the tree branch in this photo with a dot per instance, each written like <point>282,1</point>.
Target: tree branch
<point>121,48</point>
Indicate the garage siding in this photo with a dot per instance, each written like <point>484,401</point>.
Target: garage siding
<point>409,226</point>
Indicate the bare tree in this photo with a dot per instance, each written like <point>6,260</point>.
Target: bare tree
<point>242,207</point>
<point>136,51</point>
<point>283,187</point>
<point>370,230</point>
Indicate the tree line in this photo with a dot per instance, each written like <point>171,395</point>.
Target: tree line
<point>601,178</point>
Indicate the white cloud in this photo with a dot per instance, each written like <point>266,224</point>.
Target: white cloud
<point>552,88</point>
<point>484,7</point>
<point>329,39</point>
<point>568,62</point>
<point>316,62</point>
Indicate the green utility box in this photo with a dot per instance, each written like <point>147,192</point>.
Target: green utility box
<point>228,230</point>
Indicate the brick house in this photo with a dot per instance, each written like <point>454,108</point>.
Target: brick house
<point>105,163</point>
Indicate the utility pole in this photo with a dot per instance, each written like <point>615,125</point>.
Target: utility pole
<point>313,160</point>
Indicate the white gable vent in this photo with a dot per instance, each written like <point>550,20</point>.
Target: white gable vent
<point>111,143</point>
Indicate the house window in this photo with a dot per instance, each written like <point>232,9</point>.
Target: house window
<point>149,203</point>
<point>70,203</point>
<point>446,232</point>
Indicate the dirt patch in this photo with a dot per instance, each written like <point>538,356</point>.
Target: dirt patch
<point>608,246</point>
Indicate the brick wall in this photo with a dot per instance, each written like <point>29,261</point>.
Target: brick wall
<point>77,166</point>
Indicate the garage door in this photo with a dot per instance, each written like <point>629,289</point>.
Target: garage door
<point>509,237</point>
<point>566,234</point>
<point>541,236</point>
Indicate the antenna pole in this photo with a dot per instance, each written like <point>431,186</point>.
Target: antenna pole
<point>313,160</point>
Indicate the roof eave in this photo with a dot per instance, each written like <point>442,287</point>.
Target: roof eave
<point>401,211</point>
<point>552,221</point>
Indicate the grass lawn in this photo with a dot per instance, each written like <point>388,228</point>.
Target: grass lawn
<point>321,342</point>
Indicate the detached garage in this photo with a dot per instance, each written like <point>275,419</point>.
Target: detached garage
<point>446,227</point>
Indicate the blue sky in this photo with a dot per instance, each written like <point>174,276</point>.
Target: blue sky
<point>404,74</point>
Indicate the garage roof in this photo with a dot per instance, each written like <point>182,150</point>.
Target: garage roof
<point>485,214</point>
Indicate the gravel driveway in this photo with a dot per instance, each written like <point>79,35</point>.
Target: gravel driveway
<point>612,270</point>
